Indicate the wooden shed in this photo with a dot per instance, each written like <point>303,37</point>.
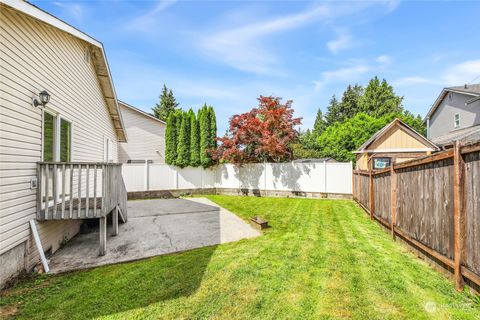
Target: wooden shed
<point>394,143</point>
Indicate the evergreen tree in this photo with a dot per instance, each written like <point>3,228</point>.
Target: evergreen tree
<point>379,99</point>
<point>319,125</point>
<point>349,106</point>
<point>166,105</point>
<point>333,111</point>
<point>213,128</point>
<point>183,144</point>
<point>205,133</point>
<point>194,140</point>
<point>171,139</point>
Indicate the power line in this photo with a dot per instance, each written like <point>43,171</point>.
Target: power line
<point>471,81</point>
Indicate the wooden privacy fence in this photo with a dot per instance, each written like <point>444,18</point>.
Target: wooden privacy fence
<point>432,203</point>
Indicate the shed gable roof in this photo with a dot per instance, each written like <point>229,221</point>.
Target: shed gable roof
<point>385,130</point>
<point>99,58</point>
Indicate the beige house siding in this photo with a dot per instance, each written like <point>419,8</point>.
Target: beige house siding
<point>146,137</point>
<point>35,56</point>
<point>394,141</point>
<point>396,138</point>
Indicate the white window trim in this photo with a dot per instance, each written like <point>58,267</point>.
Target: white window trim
<point>56,139</point>
<point>455,125</point>
<point>59,122</point>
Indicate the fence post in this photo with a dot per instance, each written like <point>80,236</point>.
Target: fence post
<point>325,176</point>
<point>353,184</point>
<point>458,216</point>
<point>393,198</point>
<point>176,178</point>
<point>371,195</point>
<point>351,168</point>
<point>146,175</point>
<point>265,178</point>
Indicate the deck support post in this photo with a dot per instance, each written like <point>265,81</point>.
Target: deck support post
<point>103,235</point>
<point>458,216</point>
<point>115,221</point>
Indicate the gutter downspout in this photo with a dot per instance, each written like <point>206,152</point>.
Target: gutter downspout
<point>428,128</point>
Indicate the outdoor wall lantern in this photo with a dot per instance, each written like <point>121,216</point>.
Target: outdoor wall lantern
<point>43,98</point>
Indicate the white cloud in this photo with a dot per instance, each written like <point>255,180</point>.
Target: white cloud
<point>147,21</point>
<point>245,47</point>
<point>354,71</point>
<point>74,9</point>
<point>339,75</point>
<point>384,60</point>
<point>411,81</point>
<point>242,47</point>
<point>454,75</point>
<point>343,42</point>
<point>461,73</point>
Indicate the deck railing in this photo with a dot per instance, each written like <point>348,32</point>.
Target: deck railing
<point>80,190</point>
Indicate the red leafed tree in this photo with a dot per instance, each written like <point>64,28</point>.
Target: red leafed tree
<point>264,133</point>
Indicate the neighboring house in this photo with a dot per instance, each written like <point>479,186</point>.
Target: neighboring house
<point>80,123</point>
<point>455,115</point>
<point>146,136</point>
<point>394,143</point>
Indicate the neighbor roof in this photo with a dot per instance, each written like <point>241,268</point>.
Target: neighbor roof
<point>99,58</point>
<point>466,135</point>
<point>146,114</point>
<point>381,132</point>
<point>470,89</point>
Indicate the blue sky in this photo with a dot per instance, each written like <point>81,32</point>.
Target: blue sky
<point>227,53</point>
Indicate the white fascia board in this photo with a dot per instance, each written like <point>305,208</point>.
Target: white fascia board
<point>39,14</point>
<point>398,150</point>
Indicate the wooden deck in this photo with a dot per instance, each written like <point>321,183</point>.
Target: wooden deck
<point>81,190</point>
<point>89,208</point>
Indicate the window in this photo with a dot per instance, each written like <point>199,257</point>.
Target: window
<point>381,163</point>
<point>457,120</point>
<point>57,138</point>
<point>48,137</point>
<point>65,140</point>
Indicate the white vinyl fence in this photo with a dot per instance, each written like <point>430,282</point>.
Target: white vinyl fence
<point>324,177</point>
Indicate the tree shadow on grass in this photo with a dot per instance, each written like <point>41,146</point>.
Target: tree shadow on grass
<point>113,289</point>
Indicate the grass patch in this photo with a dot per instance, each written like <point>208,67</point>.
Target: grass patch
<point>321,259</point>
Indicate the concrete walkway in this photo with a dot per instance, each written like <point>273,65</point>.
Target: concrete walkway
<point>155,227</point>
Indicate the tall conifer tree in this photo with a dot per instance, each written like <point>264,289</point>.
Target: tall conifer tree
<point>171,139</point>
<point>166,106</point>
<point>194,140</point>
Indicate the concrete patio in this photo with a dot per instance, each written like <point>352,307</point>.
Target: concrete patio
<point>155,227</point>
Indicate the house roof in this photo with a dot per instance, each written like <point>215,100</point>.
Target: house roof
<point>466,135</point>
<point>384,130</point>
<point>99,58</point>
<point>143,113</point>
<point>470,90</point>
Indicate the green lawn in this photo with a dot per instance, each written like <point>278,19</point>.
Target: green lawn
<point>322,259</point>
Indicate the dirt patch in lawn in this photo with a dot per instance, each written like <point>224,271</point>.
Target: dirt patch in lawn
<point>8,311</point>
